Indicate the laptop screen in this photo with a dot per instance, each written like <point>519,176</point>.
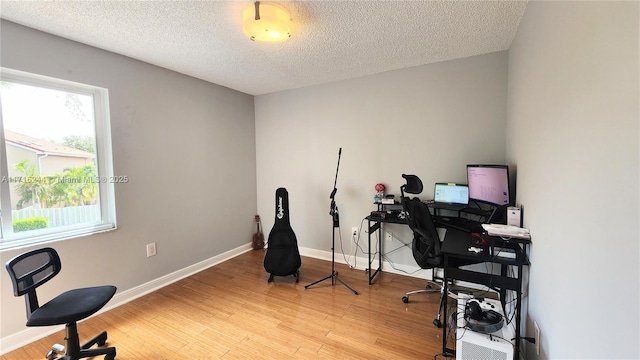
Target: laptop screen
<point>451,193</point>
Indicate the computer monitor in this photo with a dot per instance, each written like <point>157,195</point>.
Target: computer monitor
<point>489,184</point>
<point>451,193</point>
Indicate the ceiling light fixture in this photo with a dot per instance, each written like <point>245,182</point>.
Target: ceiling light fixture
<point>266,22</point>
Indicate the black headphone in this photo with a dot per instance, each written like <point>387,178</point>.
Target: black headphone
<point>473,311</point>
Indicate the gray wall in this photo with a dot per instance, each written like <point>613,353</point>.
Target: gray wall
<point>573,133</point>
<point>188,148</point>
<point>429,120</point>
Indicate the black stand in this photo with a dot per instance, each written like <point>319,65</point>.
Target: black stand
<point>336,224</point>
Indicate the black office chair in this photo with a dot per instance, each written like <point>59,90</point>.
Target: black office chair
<point>34,268</point>
<point>426,242</point>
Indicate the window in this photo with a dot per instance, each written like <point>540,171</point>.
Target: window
<point>56,173</point>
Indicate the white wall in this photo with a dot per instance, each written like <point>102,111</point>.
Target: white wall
<point>429,120</point>
<point>573,115</point>
<point>188,149</point>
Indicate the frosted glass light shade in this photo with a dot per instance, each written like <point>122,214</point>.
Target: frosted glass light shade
<point>274,24</point>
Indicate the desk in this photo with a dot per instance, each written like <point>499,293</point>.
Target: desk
<point>373,226</point>
<point>456,245</point>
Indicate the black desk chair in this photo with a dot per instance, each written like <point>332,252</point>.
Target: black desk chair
<point>426,242</point>
<point>34,268</point>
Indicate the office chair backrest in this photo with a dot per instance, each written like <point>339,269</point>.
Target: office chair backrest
<point>30,270</point>
<point>426,242</point>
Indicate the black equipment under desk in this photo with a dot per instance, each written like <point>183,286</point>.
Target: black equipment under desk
<point>456,244</point>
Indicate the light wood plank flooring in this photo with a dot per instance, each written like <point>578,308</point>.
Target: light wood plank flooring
<point>230,312</point>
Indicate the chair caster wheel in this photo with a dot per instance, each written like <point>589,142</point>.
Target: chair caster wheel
<point>437,323</point>
<point>270,279</point>
<point>56,350</point>
<point>102,339</point>
<point>297,276</point>
<point>405,299</point>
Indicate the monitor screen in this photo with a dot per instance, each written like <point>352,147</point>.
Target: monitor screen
<point>451,193</point>
<point>489,183</point>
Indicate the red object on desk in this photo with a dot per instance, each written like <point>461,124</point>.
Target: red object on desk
<point>477,239</point>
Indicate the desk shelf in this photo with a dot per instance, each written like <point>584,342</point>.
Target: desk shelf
<point>486,255</point>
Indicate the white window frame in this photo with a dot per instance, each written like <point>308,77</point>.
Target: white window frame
<point>9,239</point>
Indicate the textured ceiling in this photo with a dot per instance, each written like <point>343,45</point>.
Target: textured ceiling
<point>331,40</point>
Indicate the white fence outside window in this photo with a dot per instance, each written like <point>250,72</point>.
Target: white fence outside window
<point>64,216</point>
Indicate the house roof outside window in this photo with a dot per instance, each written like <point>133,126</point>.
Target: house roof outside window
<point>42,147</point>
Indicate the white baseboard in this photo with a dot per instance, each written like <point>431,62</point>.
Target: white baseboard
<point>14,341</point>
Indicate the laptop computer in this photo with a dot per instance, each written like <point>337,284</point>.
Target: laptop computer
<point>450,196</point>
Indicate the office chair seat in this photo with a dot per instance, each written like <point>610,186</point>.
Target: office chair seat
<point>72,306</point>
<point>32,269</point>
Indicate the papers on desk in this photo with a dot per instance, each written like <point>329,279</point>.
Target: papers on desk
<point>507,231</point>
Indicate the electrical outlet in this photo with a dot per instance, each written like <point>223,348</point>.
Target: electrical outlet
<point>388,236</point>
<point>151,249</point>
<point>537,328</point>
<point>354,232</point>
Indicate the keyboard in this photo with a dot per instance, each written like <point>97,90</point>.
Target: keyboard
<point>458,223</point>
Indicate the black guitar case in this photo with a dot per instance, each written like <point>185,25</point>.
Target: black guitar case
<point>282,257</point>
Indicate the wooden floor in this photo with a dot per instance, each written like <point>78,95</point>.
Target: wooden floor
<point>230,312</point>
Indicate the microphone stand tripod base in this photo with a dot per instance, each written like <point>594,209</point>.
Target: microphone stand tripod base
<point>334,273</point>
<point>333,277</point>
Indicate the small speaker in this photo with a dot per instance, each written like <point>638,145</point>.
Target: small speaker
<point>514,216</point>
